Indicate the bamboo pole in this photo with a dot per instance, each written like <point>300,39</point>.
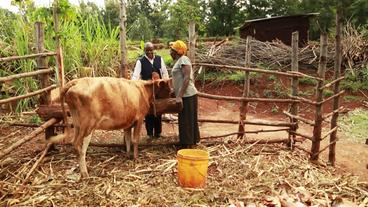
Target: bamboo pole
<point>123,48</point>
<point>317,130</point>
<point>333,82</point>
<point>244,103</point>
<point>192,40</point>
<point>44,78</point>
<point>28,137</point>
<point>45,54</point>
<point>34,93</point>
<point>294,87</point>
<point>294,117</point>
<point>233,98</point>
<point>237,68</point>
<point>250,122</point>
<point>27,74</point>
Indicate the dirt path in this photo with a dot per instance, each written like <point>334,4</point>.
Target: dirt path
<point>350,156</point>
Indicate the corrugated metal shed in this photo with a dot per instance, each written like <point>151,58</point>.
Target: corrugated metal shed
<point>280,27</point>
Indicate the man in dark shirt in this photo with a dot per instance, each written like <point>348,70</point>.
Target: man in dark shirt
<point>143,69</point>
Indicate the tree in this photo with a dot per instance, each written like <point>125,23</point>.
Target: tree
<point>224,16</point>
<point>141,29</point>
<point>180,14</point>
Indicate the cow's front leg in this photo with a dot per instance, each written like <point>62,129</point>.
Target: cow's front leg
<point>136,135</point>
<point>127,138</point>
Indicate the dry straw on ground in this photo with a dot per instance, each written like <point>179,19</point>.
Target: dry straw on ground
<point>238,174</point>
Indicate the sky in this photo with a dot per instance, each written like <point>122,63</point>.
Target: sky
<point>6,3</point>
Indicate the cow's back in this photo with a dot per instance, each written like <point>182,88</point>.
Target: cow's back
<point>108,103</point>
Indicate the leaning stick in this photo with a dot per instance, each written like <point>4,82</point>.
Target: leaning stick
<point>28,137</point>
<point>37,162</point>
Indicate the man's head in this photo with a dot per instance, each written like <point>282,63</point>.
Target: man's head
<point>148,49</point>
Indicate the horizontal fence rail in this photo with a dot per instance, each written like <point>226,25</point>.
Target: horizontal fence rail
<point>27,74</point>
<point>289,74</point>
<point>34,93</point>
<point>7,59</point>
<point>250,122</point>
<point>233,98</point>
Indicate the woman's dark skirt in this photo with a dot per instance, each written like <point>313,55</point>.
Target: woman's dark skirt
<point>188,121</point>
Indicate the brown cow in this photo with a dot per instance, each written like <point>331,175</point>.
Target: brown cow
<point>108,103</point>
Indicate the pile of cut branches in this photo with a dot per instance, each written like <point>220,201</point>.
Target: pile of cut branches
<point>278,55</point>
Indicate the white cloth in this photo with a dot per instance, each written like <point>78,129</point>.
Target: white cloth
<point>138,68</point>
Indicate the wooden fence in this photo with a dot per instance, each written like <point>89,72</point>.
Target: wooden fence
<point>294,100</point>
<point>43,74</point>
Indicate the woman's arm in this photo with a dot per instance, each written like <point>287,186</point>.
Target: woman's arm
<point>186,71</point>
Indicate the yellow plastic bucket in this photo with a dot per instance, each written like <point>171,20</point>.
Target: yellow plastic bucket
<point>192,168</point>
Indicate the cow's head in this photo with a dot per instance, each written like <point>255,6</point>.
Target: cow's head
<point>162,88</point>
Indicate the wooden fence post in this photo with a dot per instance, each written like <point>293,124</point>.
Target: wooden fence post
<point>192,40</point>
<point>317,130</point>
<point>335,116</point>
<point>294,83</point>
<point>59,53</point>
<point>244,104</point>
<point>123,49</point>
<point>44,78</point>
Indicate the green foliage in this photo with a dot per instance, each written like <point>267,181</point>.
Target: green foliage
<point>141,29</point>
<point>35,119</point>
<point>350,98</point>
<point>354,124</point>
<point>354,82</point>
<point>327,93</point>
<point>308,81</point>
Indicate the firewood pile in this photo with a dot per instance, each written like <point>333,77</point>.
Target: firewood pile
<point>278,55</point>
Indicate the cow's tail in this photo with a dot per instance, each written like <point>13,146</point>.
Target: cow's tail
<point>61,137</point>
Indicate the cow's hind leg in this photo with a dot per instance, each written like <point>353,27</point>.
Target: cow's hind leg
<point>82,156</point>
<point>136,135</point>
<point>127,138</point>
<point>81,142</point>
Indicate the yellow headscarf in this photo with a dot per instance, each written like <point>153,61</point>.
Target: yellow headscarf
<point>179,46</point>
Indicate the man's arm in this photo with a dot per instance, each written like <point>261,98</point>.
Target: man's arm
<point>165,74</point>
<point>137,71</point>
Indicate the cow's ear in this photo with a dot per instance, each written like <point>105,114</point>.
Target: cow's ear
<point>164,83</point>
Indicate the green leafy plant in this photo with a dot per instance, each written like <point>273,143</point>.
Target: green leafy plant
<point>327,93</point>
<point>307,81</point>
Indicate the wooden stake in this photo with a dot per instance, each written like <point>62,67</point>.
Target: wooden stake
<point>28,137</point>
<point>294,85</point>
<point>337,65</point>
<point>317,130</point>
<point>192,41</point>
<point>45,78</point>
<point>244,104</point>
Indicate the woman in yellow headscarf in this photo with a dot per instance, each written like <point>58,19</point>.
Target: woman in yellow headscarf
<point>186,92</point>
